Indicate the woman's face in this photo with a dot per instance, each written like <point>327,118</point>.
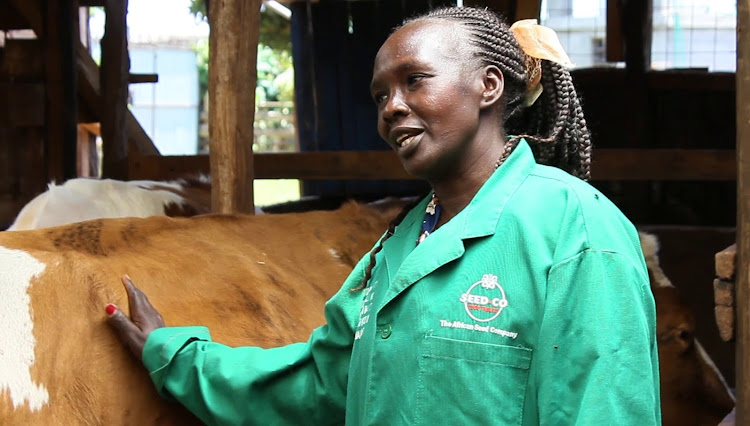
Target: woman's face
<point>428,90</point>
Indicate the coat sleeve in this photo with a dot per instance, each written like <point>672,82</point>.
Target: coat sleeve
<point>597,357</point>
<point>303,383</point>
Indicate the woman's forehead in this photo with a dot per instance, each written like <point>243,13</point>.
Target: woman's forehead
<point>424,41</point>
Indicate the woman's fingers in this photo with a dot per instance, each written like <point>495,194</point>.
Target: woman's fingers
<point>133,293</point>
<point>133,330</point>
<point>142,312</point>
<point>130,334</point>
<point>119,321</point>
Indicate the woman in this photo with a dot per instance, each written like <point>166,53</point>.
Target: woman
<point>514,294</point>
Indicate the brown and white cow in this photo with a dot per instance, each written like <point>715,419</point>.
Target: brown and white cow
<point>253,280</point>
<point>80,199</point>
<point>693,391</point>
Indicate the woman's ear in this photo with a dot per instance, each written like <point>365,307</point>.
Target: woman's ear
<point>493,86</point>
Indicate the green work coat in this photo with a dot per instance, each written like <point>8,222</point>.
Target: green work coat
<point>531,306</point>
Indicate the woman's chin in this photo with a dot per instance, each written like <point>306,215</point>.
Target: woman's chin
<point>414,168</point>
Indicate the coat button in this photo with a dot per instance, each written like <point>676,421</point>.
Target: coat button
<point>386,331</point>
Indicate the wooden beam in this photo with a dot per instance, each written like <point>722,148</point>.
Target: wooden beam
<point>663,164</point>
<point>31,10</point>
<point>62,97</point>
<point>114,74</point>
<point>94,129</point>
<point>742,370</point>
<point>683,80</point>
<point>11,19</point>
<point>614,32</point>
<point>88,160</point>
<point>90,93</point>
<point>694,81</point>
<point>609,164</point>
<point>637,27</point>
<point>527,9</point>
<point>143,78</point>
<point>233,42</point>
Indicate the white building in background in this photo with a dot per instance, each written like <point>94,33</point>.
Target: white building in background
<point>167,110</point>
<point>686,33</point>
<point>161,36</point>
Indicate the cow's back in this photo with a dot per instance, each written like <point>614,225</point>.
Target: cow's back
<point>253,280</point>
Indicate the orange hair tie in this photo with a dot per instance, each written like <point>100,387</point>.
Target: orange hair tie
<point>537,42</point>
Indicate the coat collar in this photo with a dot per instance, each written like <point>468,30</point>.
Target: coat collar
<point>407,263</point>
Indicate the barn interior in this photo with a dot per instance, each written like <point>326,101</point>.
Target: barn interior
<point>665,140</point>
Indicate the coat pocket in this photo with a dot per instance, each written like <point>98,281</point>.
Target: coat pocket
<point>464,382</point>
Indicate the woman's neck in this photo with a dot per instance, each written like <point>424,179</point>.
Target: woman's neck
<point>457,188</point>
<point>456,193</point>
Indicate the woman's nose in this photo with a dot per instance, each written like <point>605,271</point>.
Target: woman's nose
<point>395,106</point>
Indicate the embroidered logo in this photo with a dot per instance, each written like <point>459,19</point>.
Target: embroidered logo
<point>485,299</point>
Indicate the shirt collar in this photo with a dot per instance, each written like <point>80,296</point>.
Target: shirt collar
<point>480,217</point>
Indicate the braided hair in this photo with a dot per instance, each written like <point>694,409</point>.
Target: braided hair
<point>553,125</point>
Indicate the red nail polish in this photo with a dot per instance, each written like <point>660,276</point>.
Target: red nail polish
<point>110,309</point>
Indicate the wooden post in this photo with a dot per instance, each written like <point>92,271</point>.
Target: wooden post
<point>88,160</point>
<point>742,373</point>
<point>62,99</point>
<point>614,32</point>
<point>637,24</point>
<point>512,10</point>
<point>638,27</point>
<point>233,47</point>
<point>528,9</point>
<point>114,74</point>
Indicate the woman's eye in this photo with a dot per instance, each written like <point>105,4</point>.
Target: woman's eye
<point>414,78</point>
<point>379,97</point>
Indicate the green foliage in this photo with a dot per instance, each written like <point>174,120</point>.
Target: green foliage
<point>198,8</point>
<point>274,69</point>
<point>275,73</point>
<point>275,31</point>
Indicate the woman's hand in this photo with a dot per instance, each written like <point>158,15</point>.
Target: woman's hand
<point>143,319</point>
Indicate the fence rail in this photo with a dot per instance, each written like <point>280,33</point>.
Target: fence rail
<point>274,127</point>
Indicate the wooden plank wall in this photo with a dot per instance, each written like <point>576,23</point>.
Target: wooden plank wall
<point>686,110</point>
<point>23,168</point>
